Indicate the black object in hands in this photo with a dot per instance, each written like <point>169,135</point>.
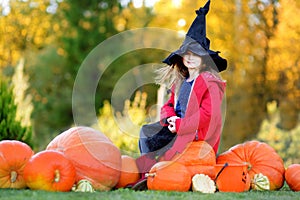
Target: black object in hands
<point>160,139</point>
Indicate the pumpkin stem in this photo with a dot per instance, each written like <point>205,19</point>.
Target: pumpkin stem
<point>56,176</point>
<point>150,174</point>
<point>13,176</point>
<point>249,166</point>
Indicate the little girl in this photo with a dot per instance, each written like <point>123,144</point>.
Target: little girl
<point>193,110</point>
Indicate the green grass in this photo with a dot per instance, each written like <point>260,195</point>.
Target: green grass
<point>283,194</point>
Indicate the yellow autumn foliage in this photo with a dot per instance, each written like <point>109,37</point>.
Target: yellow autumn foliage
<point>123,128</point>
<point>285,142</point>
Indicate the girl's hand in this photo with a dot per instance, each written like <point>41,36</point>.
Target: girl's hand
<point>172,119</point>
<point>172,124</point>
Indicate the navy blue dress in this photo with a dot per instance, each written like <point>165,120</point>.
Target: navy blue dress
<point>183,98</point>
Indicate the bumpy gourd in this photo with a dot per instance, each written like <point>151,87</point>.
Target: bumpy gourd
<point>83,186</point>
<point>260,182</point>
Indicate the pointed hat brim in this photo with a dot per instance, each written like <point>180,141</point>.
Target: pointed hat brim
<point>189,44</point>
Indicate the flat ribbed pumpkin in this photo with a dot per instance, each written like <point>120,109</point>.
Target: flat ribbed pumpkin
<point>14,155</point>
<point>260,157</point>
<point>94,156</point>
<point>292,177</point>
<point>199,158</point>
<point>129,172</point>
<point>169,176</point>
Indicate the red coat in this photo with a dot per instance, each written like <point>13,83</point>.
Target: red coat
<point>203,116</point>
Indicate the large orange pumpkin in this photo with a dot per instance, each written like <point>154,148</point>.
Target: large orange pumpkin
<point>129,172</point>
<point>94,156</point>
<point>199,158</point>
<point>50,171</point>
<point>14,155</point>
<point>169,176</point>
<point>260,157</point>
<point>292,177</point>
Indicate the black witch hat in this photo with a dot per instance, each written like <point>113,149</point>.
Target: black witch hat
<point>197,42</point>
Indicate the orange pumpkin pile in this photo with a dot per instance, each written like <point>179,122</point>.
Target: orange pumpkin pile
<point>260,157</point>
<point>86,156</point>
<point>94,156</point>
<point>80,153</point>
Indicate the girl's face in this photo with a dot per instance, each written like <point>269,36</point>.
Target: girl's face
<point>191,60</point>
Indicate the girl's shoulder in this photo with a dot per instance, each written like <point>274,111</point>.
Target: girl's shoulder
<point>209,80</point>
<point>209,76</point>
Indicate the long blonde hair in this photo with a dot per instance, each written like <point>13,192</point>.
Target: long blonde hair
<point>177,73</point>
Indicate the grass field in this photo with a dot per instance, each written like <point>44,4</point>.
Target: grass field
<point>283,194</point>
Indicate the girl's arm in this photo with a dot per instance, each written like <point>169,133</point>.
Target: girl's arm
<point>167,109</point>
<point>203,99</point>
<point>197,119</point>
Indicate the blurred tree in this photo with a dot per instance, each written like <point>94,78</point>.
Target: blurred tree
<point>27,28</point>
<point>22,99</point>
<point>285,142</point>
<point>28,25</point>
<point>255,23</point>
<point>283,65</point>
<point>81,27</point>
<point>111,19</point>
<point>51,94</point>
<point>87,23</point>
<point>130,18</point>
<point>10,127</point>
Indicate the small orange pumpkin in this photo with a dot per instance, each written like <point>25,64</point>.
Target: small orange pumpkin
<point>94,156</point>
<point>292,177</point>
<point>50,171</point>
<point>129,172</point>
<point>14,155</point>
<point>232,178</point>
<point>260,157</point>
<point>199,158</point>
<point>169,176</point>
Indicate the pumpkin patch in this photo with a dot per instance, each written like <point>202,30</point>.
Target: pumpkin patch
<point>50,171</point>
<point>82,159</point>
<point>12,164</point>
<point>94,156</point>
